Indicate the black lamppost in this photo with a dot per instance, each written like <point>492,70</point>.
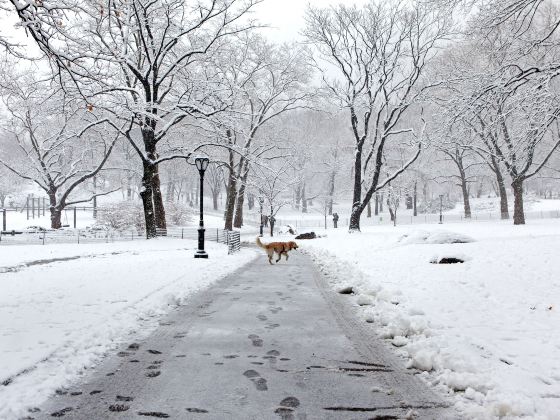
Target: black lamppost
<point>261,202</point>
<point>201,165</point>
<point>440,209</point>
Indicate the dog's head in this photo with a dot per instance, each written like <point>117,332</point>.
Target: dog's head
<point>293,245</point>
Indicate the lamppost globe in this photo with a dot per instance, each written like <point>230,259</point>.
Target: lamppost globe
<point>201,165</point>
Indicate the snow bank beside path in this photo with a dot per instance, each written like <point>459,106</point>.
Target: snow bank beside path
<point>487,331</point>
<point>60,318</point>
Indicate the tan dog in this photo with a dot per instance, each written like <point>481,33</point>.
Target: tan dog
<point>281,248</point>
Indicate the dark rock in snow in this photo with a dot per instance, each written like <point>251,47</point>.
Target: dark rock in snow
<point>346,290</point>
<point>307,235</point>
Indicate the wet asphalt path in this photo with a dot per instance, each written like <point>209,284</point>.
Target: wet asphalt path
<point>267,342</point>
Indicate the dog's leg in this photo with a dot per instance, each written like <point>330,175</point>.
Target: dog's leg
<point>285,253</point>
<point>279,257</point>
<point>270,254</point>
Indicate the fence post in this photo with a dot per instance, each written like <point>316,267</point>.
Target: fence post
<point>74,217</point>
<point>78,233</point>
<point>44,234</point>
<point>217,235</point>
<point>4,220</point>
<point>43,206</point>
<point>182,233</point>
<point>27,207</point>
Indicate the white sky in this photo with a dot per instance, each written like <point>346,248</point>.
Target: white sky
<point>285,17</point>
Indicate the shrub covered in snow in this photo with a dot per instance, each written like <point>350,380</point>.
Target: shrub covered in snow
<point>178,214</point>
<point>121,216</point>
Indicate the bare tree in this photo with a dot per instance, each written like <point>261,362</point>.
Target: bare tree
<point>380,52</point>
<point>58,149</point>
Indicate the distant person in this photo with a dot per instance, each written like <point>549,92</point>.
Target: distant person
<point>272,221</point>
<point>335,220</point>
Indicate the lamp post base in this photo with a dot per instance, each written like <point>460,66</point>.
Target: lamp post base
<point>201,254</point>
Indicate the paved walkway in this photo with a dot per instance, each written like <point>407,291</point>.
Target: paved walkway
<point>268,342</point>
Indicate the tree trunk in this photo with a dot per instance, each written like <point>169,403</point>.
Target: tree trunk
<point>376,204</point>
<point>215,195</point>
<point>518,213</point>
<point>238,222</point>
<point>369,209</point>
<point>392,214</point>
<point>159,208</point>
<point>504,211</point>
<point>354,225</point>
<point>381,203</point>
<point>146,194</point>
<point>357,208</point>
<point>466,200</point>
<point>56,212</point>
<point>231,195</point>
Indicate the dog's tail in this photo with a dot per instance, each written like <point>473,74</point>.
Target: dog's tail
<point>259,243</point>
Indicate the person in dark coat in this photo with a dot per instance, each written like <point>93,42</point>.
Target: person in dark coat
<point>335,220</point>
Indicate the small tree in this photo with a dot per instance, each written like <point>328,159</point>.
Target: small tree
<point>57,148</point>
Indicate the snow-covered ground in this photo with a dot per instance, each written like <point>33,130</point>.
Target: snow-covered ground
<point>487,331</point>
<point>59,318</point>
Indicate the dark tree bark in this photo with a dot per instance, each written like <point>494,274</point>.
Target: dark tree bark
<point>501,187</point>
<point>231,193</point>
<point>369,209</point>
<point>146,194</point>
<point>238,222</point>
<point>376,204</point>
<point>56,212</point>
<point>518,212</point>
<point>466,200</point>
<point>159,208</point>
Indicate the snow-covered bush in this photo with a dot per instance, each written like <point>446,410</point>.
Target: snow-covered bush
<point>121,216</point>
<point>178,214</point>
<point>432,206</point>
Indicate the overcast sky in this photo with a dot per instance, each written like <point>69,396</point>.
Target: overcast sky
<point>286,16</point>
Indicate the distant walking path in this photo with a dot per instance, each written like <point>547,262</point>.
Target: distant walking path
<point>267,342</point>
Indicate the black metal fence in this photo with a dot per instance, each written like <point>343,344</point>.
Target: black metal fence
<point>84,236</point>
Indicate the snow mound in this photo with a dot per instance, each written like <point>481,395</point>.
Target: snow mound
<point>434,237</point>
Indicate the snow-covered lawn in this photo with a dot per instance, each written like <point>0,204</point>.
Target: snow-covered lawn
<point>61,317</point>
<point>487,331</point>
